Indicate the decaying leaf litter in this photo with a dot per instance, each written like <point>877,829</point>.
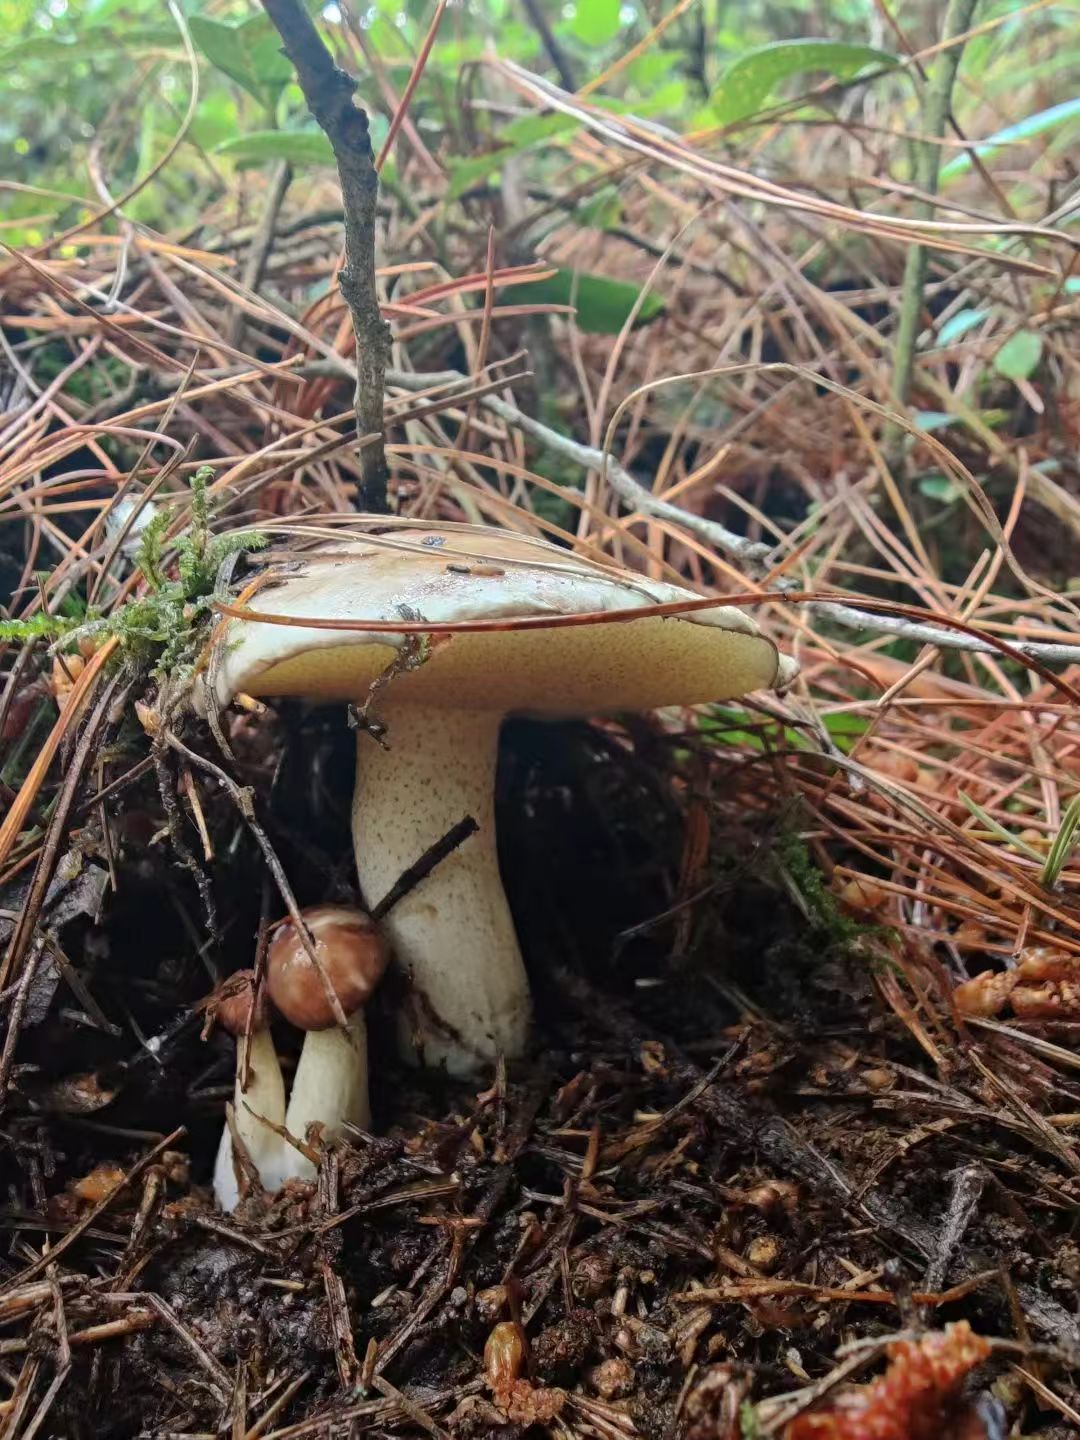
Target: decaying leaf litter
<point>803,1083</point>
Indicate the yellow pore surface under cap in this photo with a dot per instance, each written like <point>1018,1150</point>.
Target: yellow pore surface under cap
<point>603,666</point>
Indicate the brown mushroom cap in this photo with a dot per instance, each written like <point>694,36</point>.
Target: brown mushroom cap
<point>354,956</point>
<point>233,1001</point>
<point>456,574</point>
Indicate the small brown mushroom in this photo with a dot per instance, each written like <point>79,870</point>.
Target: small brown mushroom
<point>330,1088</point>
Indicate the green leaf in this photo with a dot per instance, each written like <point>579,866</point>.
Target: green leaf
<point>62,49</point>
<point>930,420</point>
<point>959,324</point>
<point>939,487</point>
<point>302,148</point>
<point>748,82</point>
<point>531,129</point>
<point>1020,354</point>
<point>596,22</point>
<point>1063,845</point>
<point>603,211</point>
<point>602,304</point>
<point>299,147</point>
<point>464,174</point>
<point>1036,124</point>
<point>999,830</point>
<point>249,53</point>
<point>519,136</point>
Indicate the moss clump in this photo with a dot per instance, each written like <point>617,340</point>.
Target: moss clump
<point>161,631</point>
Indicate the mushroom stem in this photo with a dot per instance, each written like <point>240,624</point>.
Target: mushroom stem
<point>453,934</point>
<point>330,1088</point>
<point>264,1097</point>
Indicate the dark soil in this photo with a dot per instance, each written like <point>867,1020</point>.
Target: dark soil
<point>725,1157</point>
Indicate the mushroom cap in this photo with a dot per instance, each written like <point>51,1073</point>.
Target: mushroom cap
<point>446,573</point>
<point>354,956</point>
<point>233,1000</point>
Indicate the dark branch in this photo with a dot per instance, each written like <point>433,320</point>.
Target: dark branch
<point>329,94</point>
<point>535,12</point>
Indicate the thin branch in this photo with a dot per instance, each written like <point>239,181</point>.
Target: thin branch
<point>631,492</point>
<point>749,553</point>
<point>555,52</point>
<point>262,243</point>
<point>852,618</point>
<point>328,92</point>
<point>937,104</point>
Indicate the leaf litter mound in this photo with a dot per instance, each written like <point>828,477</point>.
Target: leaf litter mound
<point>791,1154</point>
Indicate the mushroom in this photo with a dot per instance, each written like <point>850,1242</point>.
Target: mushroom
<point>441,698</point>
<point>258,1094</point>
<point>330,1087</point>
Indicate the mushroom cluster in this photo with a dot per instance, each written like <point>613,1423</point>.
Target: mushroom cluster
<point>444,630</point>
<point>330,1087</point>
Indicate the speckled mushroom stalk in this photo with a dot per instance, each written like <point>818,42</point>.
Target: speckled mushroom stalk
<point>453,935</point>
<point>258,1097</point>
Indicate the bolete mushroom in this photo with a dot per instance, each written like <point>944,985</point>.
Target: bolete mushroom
<point>442,697</point>
<point>258,1093</point>
<point>330,1087</point>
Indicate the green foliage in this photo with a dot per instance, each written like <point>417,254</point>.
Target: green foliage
<point>793,858</point>
<point>37,627</point>
<point>64,66</point>
<point>514,139</point>
<point>1019,356</point>
<point>602,305</point>
<point>249,53</point>
<point>1063,845</point>
<point>596,22</point>
<point>749,81</point>
<point>732,725</point>
<point>302,148</point>
<point>959,324</point>
<point>1053,118</point>
<point>164,627</point>
<point>163,630</point>
<point>1061,848</point>
<point>940,488</point>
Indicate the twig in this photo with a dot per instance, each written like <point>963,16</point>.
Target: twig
<point>423,867</point>
<point>852,618</point>
<point>632,493</point>
<point>416,1413</point>
<point>262,242</point>
<point>555,52</point>
<point>241,796</point>
<point>937,104</point>
<point>34,1269</point>
<point>967,1187</point>
<point>328,92</point>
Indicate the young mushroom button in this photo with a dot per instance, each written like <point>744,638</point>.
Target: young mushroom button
<point>442,704</point>
<point>330,1088</point>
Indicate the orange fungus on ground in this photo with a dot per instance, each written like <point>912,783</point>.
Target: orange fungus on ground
<point>918,1397</point>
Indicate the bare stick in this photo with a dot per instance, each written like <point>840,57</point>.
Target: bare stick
<point>432,856</point>
<point>328,92</point>
<point>936,108</point>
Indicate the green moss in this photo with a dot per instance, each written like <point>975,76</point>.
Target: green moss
<point>162,631</point>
